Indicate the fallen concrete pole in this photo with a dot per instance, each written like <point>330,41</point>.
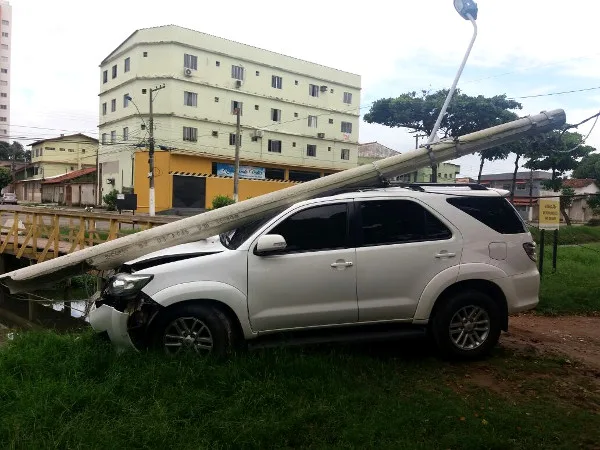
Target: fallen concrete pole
<point>112,254</point>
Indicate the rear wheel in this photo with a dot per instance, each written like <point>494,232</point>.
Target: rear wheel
<point>467,325</point>
<point>194,328</point>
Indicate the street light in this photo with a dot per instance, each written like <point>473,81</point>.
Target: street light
<point>468,11</point>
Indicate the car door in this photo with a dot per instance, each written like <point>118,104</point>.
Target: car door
<point>402,245</point>
<point>313,281</point>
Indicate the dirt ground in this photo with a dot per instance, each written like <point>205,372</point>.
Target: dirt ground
<point>576,338</point>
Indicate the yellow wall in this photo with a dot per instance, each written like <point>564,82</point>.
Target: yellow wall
<point>165,162</point>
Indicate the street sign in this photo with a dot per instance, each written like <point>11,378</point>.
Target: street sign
<point>549,213</point>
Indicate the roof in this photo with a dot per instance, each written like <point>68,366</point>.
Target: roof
<point>537,175</point>
<point>69,176</point>
<point>578,183</point>
<point>78,135</point>
<point>375,150</point>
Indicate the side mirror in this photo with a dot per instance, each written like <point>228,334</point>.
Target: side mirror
<point>270,243</point>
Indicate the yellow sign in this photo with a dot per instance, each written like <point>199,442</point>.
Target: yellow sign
<point>549,213</point>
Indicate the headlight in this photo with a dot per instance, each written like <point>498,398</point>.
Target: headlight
<point>125,284</point>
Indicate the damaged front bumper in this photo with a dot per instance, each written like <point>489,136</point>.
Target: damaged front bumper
<point>125,321</point>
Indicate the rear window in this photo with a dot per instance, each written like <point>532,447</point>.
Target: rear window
<point>495,212</point>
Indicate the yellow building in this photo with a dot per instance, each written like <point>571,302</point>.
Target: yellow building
<point>187,181</point>
<point>57,156</point>
<point>295,115</point>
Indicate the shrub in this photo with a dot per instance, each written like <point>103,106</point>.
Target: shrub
<point>221,200</point>
<point>111,200</point>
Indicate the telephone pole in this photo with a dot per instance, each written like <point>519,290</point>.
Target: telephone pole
<point>152,202</point>
<point>236,174</point>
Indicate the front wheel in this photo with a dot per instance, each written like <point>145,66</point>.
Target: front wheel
<point>194,328</point>
<point>467,325</point>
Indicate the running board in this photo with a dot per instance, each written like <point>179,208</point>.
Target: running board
<point>337,335</point>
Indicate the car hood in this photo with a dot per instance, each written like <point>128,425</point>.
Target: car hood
<point>202,247</point>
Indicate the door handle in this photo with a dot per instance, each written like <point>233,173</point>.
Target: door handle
<point>445,254</point>
<point>342,264</point>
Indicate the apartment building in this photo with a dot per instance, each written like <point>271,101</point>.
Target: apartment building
<point>5,48</point>
<point>299,120</point>
<point>63,154</point>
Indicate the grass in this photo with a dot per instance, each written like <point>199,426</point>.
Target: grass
<point>569,235</point>
<point>575,287</point>
<point>72,391</point>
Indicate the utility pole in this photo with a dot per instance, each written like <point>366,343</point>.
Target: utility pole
<point>236,174</point>
<point>152,201</point>
<point>98,197</point>
<point>13,168</point>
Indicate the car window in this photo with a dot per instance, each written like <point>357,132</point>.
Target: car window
<point>495,212</point>
<point>319,228</point>
<point>396,221</point>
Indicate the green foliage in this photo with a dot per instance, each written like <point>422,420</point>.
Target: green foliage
<point>566,197</point>
<point>5,177</point>
<point>571,235</point>
<point>111,200</point>
<point>221,200</point>
<point>7,151</point>
<point>589,167</point>
<point>593,202</point>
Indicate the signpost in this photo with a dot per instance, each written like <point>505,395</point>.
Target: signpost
<point>549,219</point>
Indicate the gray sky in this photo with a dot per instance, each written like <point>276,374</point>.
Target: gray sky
<point>525,47</point>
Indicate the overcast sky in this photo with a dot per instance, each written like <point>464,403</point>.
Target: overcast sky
<point>525,47</point>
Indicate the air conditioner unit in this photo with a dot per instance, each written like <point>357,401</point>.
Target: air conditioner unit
<point>187,72</point>
<point>238,83</point>
<point>323,88</point>
<point>257,133</point>
<point>321,135</point>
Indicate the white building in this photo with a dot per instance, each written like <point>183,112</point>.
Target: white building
<point>5,47</point>
<point>295,114</point>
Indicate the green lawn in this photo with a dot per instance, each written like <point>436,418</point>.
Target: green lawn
<point>76,392</point>
<point>569,235</point>
<point>575,287</point>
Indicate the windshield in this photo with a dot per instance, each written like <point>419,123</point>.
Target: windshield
<point>234,238</point>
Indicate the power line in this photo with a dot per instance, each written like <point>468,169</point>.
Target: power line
<point>555,93</point>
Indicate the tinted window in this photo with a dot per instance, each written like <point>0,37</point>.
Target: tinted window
<point>495,212</point>
<point>319,228</point>
<point>396,221</point>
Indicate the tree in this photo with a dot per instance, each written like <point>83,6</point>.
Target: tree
<point>14,150</point>
<point>418,112</point>
<point>589,167</point>
<point>5,177</point>
<point>566,200</point>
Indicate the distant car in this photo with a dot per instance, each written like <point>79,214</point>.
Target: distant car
<point>8,197</point>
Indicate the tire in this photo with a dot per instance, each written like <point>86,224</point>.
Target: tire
<point>201,329</point>
<point>478,338</point>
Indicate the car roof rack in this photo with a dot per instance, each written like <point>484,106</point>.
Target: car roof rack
<point>420,186</point>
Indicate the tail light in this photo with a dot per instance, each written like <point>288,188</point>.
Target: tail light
<point>529,248</point>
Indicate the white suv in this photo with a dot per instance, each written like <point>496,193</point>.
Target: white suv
<point>449,261</point>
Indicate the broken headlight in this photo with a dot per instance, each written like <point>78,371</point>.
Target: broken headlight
<point>126,284</point>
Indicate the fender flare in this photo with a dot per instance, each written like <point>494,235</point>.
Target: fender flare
<point>449,277</point>
<point>208,290</point>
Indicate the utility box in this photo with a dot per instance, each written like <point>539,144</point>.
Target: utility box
<point>126,202</point>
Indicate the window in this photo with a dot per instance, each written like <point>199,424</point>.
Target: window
<point>521,186</point>
<point>4,95</point>
<point>216,99</point>
<point>346,127</point>
<point>143,126</point>
<point>104,135</point>
<point>495,212</point>
<point>232,139</point>
<point>104,108</point>
<point>190,98</point>
<point>274,146</point>
<point>313,90</point>
<point>256,107</point>
<point>312,121</point>
<point>295,114</point>
<point>293,144</point>
<point>127,65</point>
<point>348,97</point>
<point>3,119</point>
<point>71,150</point>
<point>303,175</point>
<point>3,107</point>
<point>237,72</point>
<point>276,82</point>
<point>83,150</point>
<point>275,115</point>
<point>257,73</point>
<point>3,70</point>
<point>61,149</point>
<point>386,222</point>
<point>190,62</point>
<point>113,105</point>
<point>113,137</point>
<point>114,71</point>
<point>53,148</point>
<point>125,136</point>
<point>311,150</point>
<point>237,105</point>
<point>274,174</point>
<point>5,22</point>
<point>331,121</point>
<point>4,34</point>
<point>345,153</point>
<point>3,83</point>
<point>190,134</point>
<point>125,100</point>
<point>105,76</point>
<point>296,82</point>
<point>4,46</point>
<point>144,91</point>
<point>315,229</point>
<point>145,54</point>
<point>218,63</point>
